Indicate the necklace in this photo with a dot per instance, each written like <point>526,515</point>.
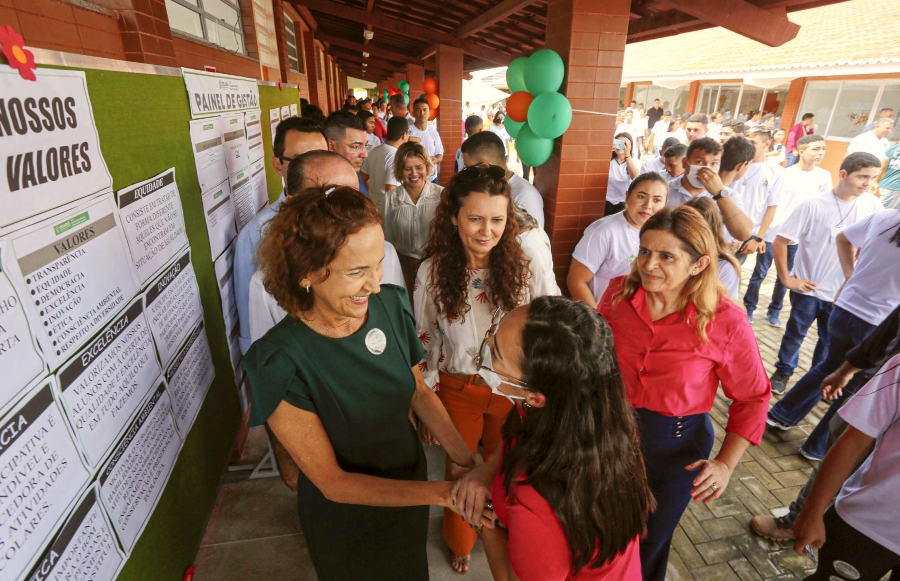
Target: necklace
<point>847,215</point>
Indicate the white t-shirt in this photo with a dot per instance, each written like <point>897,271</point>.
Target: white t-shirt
<point>656,164</point>
<point>681,135</point>
<point>430,139</point>
<point>758,189</point>
<point>865,499</point>
<point>869,143</point>
<point>607,249</point>
<point>797,186</point>
<point>634,131</point>
<point>730,278</point>
<point>501,132</point>
<point>379,166</point>
<point>372,141</point>
<point>713,130</point>
<point>536,246</point>
<point>874,289</point>
<point>619,180</point>
<point>265,312</point>
<point>406,224</point>
<point>660,128</point>
<point>814,226</point>
<point>527,197</point>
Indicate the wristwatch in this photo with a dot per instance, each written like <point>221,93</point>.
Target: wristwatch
<point>725,193</point>
<point>756,238</point>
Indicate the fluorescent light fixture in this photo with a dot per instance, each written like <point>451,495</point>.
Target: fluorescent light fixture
<point>365,55</point>
<point>368,34</point>
<point>365,64</point>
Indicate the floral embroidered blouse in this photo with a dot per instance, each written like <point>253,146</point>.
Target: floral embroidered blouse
<point>451,345</point>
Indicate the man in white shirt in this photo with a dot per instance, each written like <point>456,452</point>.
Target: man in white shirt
<point>346,135</point>
<point>874,141</point>
<point>659,131</point>
<point>658,164</point>
<point>715,125</point>
<point>485,148</point>
<point>378,169</point>
<point>427,136</point>
<point>731,128</point>
<point>800,182</point>
<point>701,177</point>
<point>696,127</point>
<point>759,192</point>
<point>397,106</point>
<point>817,274</point>
<point>293,136</point>
<point>474,124</point>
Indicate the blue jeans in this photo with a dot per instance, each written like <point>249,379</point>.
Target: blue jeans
<point>763,262</point>
<point>845,331</point>
<point>790,159</point>
<point>804,310</point>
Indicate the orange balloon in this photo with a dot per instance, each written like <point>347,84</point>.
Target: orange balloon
<point>429,85</point>
<point>432,114</point>
<point>433,101</point>
<point>517,106</point>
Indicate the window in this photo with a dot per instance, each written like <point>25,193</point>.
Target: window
<point>294,46</point>
<point>843,109</point>
<point>320,64</point>
<point>674,100</point>
<point>266,39</point>
<point>215,21</point>
<point>622,90</point>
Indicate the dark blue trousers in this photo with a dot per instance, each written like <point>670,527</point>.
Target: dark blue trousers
<point>669,444</point>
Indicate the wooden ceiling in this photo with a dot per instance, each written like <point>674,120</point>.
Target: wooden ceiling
<point>491,33</point>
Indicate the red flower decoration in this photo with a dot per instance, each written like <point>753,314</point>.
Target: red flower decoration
<point>18,57</point>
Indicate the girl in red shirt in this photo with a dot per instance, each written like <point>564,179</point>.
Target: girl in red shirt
<point>570,490</point>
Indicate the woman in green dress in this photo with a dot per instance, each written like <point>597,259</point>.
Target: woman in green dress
<point>336,380</point>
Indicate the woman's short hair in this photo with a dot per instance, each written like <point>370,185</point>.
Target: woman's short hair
<point>448,278</point>
<point>406,151</point>
<point>697,240</point>
<point>305,236</point>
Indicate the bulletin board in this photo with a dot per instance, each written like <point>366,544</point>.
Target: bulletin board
<point>142,121</point>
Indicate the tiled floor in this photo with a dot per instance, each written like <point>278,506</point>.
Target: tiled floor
<point>254,534</point>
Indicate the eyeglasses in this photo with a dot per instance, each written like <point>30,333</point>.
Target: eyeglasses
<point>483,358</point>
<point>476,172</point>
<point>287,160</point>
<point>356,147</point>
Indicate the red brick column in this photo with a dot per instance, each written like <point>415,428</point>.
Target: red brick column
<point>450,72</point>
<point>415,74</point>
<point>590,37</point>
<point>309,51</point>
<point>693,96</point>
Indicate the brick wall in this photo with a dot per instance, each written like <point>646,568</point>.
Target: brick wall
<point>61,26</point>
<point>197,54</point>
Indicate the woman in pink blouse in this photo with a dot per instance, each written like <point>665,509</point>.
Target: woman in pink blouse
<point>678,336</point>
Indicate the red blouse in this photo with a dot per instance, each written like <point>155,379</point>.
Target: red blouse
<point>538,548</point>
<point>666,369</point>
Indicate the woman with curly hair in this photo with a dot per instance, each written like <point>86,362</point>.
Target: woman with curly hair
<point>474,271</point>
<point>678,336</point>
<point>335,381</point>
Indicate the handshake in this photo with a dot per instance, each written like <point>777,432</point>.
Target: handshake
<point>470,493</point>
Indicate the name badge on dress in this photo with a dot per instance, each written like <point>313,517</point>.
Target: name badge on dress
<point>376,341</point>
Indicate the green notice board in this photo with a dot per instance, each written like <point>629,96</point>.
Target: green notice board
<point>143,120</point>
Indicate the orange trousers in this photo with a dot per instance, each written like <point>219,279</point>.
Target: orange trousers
<point>478,415</point>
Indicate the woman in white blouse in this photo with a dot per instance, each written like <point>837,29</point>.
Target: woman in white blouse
<point>409,209</point>
<point>473,273</point>
<point>622,169</point>
<point>610,245</point>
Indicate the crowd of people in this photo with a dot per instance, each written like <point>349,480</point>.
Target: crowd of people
<point>381,310</point>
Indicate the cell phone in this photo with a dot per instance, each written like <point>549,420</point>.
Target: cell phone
<point>619,144</point>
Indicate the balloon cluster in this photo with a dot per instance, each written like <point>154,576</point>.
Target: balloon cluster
<point>536,112</point>
<point>430,86</point>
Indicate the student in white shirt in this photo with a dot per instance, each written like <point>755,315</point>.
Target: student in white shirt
<point>474,273</point>
<point>715,125</point>
<point>377,170</point>
<point>729,268</point>
<point>659,131</point>
<point>623,168</point>
<point>658,164</point>
<point>427,135</point>
<point>673,164</point>
<point>409,209</point>
<point>609,246</point>
<point>870,294</point>
<point>485,148</point>
<point>800,182</point>
<point>817,275</point>
<point>858,537</point>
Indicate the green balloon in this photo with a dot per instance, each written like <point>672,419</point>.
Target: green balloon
<point>515,75</point>
<point>513,126</point>
<point>384,94</point>
<point>533,150</point>
<point>422,96</point>
<point>550,115</point>
<point>404,86</point>
<point>544,72</point>
<point>406,99</point>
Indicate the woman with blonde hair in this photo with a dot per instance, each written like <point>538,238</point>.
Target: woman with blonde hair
<point>677,338</point>
<point>473,273</point>
<point>409,209</point>
<point>729,267</point>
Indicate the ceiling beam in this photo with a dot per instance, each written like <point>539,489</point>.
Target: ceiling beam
<point>421,33</point>
<point>369,48</point>
<point>491,16</point>
<point>661,24</point>
<point>741,17</point>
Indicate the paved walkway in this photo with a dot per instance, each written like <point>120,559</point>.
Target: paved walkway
<point>254,532</point>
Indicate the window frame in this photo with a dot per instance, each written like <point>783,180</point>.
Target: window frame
<point>873,112</point>
<point>204,15</point>
<point>291,31</point>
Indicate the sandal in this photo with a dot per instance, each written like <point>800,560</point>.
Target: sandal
<point>460,563</point>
